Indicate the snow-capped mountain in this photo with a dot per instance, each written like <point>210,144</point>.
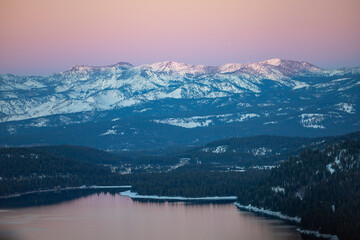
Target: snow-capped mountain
<point>181,95</point>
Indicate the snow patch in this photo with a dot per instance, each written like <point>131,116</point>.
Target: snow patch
<point>346,107</point>
<point>274,62</point>
<point>329,168</point>
<point>192,122</point>
<point>11,129</point>
<point>262,151</point>
<point>278,189</point>
<point>243,117</point>
<point>299,85</point>
<point>220,149</point>
<point>271,122</point>
<point>312,120</point>
<point>109,132</point>
<point>39,123</point>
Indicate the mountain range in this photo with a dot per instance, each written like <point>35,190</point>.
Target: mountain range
<point>169,104</point>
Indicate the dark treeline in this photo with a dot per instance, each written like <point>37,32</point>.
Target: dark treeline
<point>320,186</point>
<point>83,154</point>
<point>261,150</point>
<point>26,169</point>
<point>195,183</point>
<point>49,198</point>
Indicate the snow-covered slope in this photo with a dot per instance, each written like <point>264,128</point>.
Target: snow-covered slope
<point>258,96</point>
<point>88,88</point>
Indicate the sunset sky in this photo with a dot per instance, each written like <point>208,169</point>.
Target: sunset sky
<point>46,36</point>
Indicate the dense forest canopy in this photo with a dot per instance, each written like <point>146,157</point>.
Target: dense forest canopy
<point>320,183</point>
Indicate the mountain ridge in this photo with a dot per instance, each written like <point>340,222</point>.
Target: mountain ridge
<point>135,103</point>
<point>122,84</point>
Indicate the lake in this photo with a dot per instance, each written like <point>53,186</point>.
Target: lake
<point>104,215</point>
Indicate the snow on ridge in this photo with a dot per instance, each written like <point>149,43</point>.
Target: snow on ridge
<point>89,88</point>
<point>109,132</point>
<point>268,212</point>
<point>220,149</point>
<point>340,79</point>
<point>243,117</point>
<point>41,122</point>
<point>299,85</point>
<point>230,67</point>
<point>346,107</point>
<point>274,62</point>
<point>261,151</point>
<point>271,122</point>
<point>312,120</point>
<point>172,66</point>
<point>134,195</point>
<point>205,121</point>
<point>193,122</point>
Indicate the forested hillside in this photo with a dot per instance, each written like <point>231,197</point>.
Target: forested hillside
<point>27,169</point>
<point>84,154</point>
<point>320,186</point>
<point>260,150</point>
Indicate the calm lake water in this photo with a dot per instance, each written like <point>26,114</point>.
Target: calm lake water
<point>94,216</point>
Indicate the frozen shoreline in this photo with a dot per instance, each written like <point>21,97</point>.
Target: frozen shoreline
<point>268,212</point>
<point>317,234</point>
<point>288,218</point>
<point>134,195</point>
<point>64,189</point>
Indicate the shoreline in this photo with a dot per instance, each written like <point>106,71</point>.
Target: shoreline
<point>64,189</point>
<point>136,196</point>
<point>280,215</point>
<point>268,212</point>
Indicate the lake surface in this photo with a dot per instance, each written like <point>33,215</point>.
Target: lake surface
<point>94,216</point>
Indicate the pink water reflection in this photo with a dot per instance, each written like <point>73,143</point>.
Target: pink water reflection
<point>108,216</point>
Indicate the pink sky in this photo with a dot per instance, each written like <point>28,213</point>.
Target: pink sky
<point>46,36</point>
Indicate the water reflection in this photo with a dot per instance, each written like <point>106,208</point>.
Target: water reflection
<point>49,198</point>
<point>111,216</point>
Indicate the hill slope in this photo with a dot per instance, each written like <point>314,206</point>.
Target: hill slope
<point>169,104</point>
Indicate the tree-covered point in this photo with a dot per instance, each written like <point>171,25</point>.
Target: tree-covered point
<point>322,186</point>
<point>195,183</point>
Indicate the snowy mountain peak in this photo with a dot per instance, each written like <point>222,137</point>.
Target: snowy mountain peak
<point>274,62</point>
<point>176,67</point>
<point>88,88</point>
<point>77,68</point>
<point>277,62</point>
<point>230,67</point>
<point>169,66</point>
